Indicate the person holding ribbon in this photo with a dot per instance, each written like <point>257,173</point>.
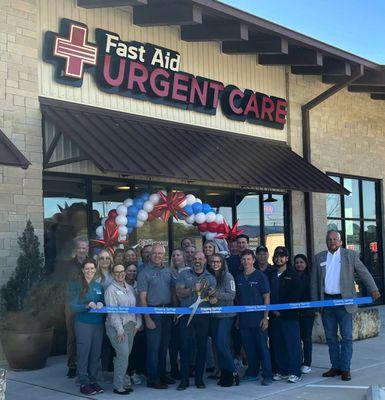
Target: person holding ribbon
<point>121,328</point>
<point>285,288</point>
<point>194,285</point>
<point>84,294</point>
<point>333,278</point>
<point>221,323</point>
<point>253,289</point>
<point>155,287</point>
<point>306,315</point>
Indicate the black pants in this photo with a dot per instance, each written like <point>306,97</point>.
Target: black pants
<point>198,329</point>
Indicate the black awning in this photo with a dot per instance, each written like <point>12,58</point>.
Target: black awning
<point>135,145</point>
<point>10,154</point>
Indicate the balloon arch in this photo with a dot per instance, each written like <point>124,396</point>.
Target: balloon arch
<point>146,207</point>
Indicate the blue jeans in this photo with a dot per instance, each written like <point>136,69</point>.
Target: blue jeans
<point>306,330</point>
<point>222,333</point>
<point>157,344</point>
<point>254,341</point>
<point>287,345</point>
<point>340,352</point>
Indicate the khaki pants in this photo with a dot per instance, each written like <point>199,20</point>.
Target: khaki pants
<point>122,350</point>
<point>71,339</point>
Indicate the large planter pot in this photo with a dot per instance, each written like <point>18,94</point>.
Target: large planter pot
<point>26,350</point>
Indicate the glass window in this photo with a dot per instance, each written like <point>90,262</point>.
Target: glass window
<point>371,250</point>
<point>156,230</point>
<point>353,240</point>
<point>333,202</point>
<point>249,217</point>
<point>274,222</point>
<point>65,217</point>
<point>352,201</point>
<point>335,225</point>
<point>369,199</point>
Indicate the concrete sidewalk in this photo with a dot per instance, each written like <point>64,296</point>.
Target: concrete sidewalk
<point>368,368</point>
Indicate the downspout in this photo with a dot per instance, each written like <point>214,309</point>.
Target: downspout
<point>306,143</point>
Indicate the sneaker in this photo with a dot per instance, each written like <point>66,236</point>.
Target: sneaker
<point>249,378</point>
<point>278,377</point>
<point>135,379</point>
<point>294,378</point>
<point>97,388</point>
<point>88,390</point>
<point>305,369</point>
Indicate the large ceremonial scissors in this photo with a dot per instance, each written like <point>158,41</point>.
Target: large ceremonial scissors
<point>203,294</point>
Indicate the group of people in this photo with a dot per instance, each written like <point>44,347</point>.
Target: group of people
<point>275,345</point>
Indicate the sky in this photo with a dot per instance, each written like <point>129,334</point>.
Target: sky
<point>355,26</point>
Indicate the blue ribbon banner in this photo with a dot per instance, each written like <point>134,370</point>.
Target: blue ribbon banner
<point>233,309</point>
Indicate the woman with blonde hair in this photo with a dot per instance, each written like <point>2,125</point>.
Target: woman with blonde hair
<point>104,263</point>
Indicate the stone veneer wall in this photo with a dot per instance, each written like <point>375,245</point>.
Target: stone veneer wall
<point>347,137</point>
<point>20,120</point>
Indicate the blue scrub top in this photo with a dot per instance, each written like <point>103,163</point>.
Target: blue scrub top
<point>250,291</point>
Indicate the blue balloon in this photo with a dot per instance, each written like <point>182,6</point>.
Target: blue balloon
<point>206,208</point>
<point>131,222</point>
<point>197,207</point>
<point>189,210</point>
<point>138,202</point>
<point>129,229</point>
<point>145,196</point>
<point>212,210</point>
<point>132,211</point>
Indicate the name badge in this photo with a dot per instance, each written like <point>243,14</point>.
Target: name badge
<point>323,264</point>
<point>98,292</point>
<point>119,292</point>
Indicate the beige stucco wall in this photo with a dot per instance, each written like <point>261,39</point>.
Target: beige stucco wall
<point>347,137</point>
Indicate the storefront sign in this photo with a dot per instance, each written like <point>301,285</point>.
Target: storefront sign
<point>151,72</point>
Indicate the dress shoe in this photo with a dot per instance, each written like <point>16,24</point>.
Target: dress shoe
<point>123,391</point>
<point>345,376</point>
<point>157,385</point>
<point>183,386</point>
<point>167,380</point>
<point>200,385</point>
<point>331,373</point>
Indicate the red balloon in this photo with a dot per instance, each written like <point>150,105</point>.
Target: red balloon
<point>212,226</point>
<point>112,214</point>
<point>202,227</point>
<point>221,228</point>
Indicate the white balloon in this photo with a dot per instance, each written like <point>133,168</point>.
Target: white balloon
<point>148,206</point>
<point>123,230</point>
<point>219,219</point>
<point>200,218</point>
<point>198,200</point>
<point>128,202</point>
<point>190,198</point>
<point>121,210</point>
<point>183,204</point>
<point>122,238</point>
<point>204,233</point>
<point>211,235</point>
<point>139,224</point>
<point>210,217</point>
<point>190,219</point>
<point>155,198</point>
<point>121,220</point>
<point>142,215</point>
<point>99,231</point>
<point>103,221</point>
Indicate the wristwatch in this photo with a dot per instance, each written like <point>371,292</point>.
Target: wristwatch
<point>267,317</point>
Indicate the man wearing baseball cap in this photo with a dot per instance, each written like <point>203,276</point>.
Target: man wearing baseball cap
<point>262,260</point>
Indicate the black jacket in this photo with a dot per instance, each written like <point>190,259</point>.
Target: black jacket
<point>304,281</point>
<point>285,289</point>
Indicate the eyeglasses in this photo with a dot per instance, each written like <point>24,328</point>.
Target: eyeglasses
<point>119,272</point>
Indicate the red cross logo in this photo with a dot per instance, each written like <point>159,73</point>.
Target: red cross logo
<point>76,51</point>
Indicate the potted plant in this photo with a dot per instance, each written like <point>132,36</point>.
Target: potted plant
<point>27,330</point>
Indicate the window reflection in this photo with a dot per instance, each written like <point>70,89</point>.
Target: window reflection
<point>353,240</point>
<point>274,223</point>
<point>369,199</point>
<point>352,201</point>
<point>249,217</point>
<point>333,202</point>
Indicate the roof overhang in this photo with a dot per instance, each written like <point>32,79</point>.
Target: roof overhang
<point>10,154</point>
